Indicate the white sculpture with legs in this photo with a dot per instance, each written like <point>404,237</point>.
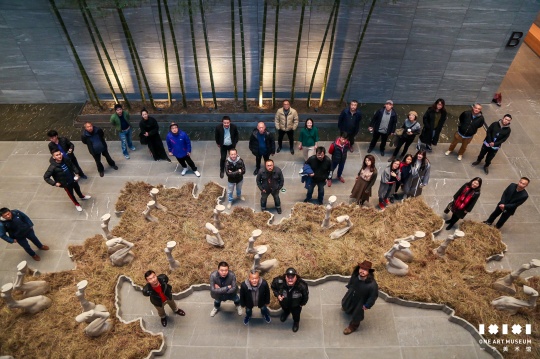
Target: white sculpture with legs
<point>85,304</point>
<point>214,239</point>
<point>98,319</point>
<point>395,265</point>
<point>146,213</point>
<point>512,305</point>
<point>29,289</point>
<point>328,208</point>
<point>217,220</point>
<point>506,283</point>
<point>31,305</point>
<point>265,266</point>
<point>105,225</point>
<point>153,193</point>
<point>173,263</point>
<point>119,251</point>
<point>441,250</point>
<point>255,250</point>
<point>341,232</point>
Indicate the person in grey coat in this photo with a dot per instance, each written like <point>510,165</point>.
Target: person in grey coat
<point>223,287</point>
<point>419,177</point>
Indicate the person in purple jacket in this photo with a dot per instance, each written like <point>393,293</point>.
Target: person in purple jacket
<point>179,146</point>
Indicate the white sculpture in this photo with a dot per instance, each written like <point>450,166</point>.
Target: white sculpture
<point>30,305</point>
<point>512,305</point>
<point>265,266</point>
<point>413,237</point>
<point>153,193</point>
<point>217,211</point>
<point>85,304</point>
<point>214,240</point>
<point>441,250</point>
<point>173,264</point>
<point>395,265</point>
<point>105,225</point>
<point>341,232</point>
<point>29,289</point>
<point>328,208</point>
<point>254,250</point>
<point>146,213</point>
<point>98,319</point>
<point>506,283</point>
<point>119,251</point>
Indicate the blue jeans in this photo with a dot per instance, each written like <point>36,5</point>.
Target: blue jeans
<point>23,242</point>
<point>230,189</point>
<point>125,139</point>
<point>340,166</point>
<point>236,300</point>
<point>320,191</point>
<point>264,311</point>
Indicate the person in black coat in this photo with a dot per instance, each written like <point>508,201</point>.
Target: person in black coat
<point>94,139</point>
<point>160,293</point>
<point>382,125</point>
<point>497,133</point>
<point>468,125</point>
<point>349,121</point>
<point>255,291</point>
<point>150,135</point>
<point>226,135</point>
<point>434,120</point>
<point>513,196</point>
<point>292,293</point>
<point>262,145</point>
<point>64,175</point>
<point>270,181</point>
<point>66,147</point>
<point>21,229</point>
<point>322,174</point>
<point>464,200</point>
<point>362,292</point>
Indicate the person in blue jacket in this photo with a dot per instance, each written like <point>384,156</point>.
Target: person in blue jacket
<point>179,146</point>
<point>20,229</point>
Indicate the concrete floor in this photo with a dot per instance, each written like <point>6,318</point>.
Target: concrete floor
<point>389,331</point>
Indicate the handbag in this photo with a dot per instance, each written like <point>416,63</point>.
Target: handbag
<point>399,132</point>
<point>143,139</point>
<point>347,303</point>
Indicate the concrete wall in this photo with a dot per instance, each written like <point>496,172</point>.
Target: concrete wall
<point>413,51</point>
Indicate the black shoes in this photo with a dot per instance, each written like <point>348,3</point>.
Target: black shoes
<point>101,174</point>
<point>295,327</point>
<point>486,171</point>
<point>164,321</point>
<point>292,151</point>
<point>283,316</point>
<point>369,150</point>
<point>278,210</point>
<point>475,163</point>
<point>382,153</point>
<point>256,171</point>
<point>221,174</point>
<point>180,312</point>
<point>115,167</point>
<point>278,150</point>
<point>83,176</point>
<point>488,223</point>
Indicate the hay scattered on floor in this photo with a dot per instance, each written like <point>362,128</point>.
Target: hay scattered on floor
<point>459,281</point>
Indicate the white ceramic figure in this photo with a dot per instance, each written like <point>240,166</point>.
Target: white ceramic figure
<point>512,305</point>
<point>153,193</point>
<point>29,289</point>
<point>506,283</point>
<point>326,221</point>
<point>119,251</point>
<point>105,225</point>
<point>214,239</point>
<point>341,232</point>
<point>395,265</point>
<point>31,305</point>
<point>173,263</point>
<point>147,212</point>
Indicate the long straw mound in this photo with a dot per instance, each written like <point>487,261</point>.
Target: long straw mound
<point>459,281</point>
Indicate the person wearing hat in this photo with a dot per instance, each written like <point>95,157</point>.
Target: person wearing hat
<point>411,128</point>
<point>382,125</point>
<point>179,146</point>
<point>292,293</point>
<point>361,295</point>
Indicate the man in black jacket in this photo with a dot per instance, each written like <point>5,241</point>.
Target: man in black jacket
<point>513,196</point>
<point>469,123</point>
<point>20,229</point>
<point>292,293</point>
<point>497,133</point>
<point>270,181</point>
<point>226,136</point>
<point>349,121</point>
<point>262,145</point>
<point>361,295</point>
<point>322,174</point>
<point>94,138</point>
<point>160,293</point>
<point>64,175</point>
<point>66,147</point>
<point>255,291</point>
<point>382,125</point>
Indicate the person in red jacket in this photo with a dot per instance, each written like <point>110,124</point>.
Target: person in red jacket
<point>160,293</point>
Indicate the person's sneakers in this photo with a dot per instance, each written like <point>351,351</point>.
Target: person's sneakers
<point>36,257</point>
<point>369,150</point>
<point>278,150</point>
<point>391,159</point>
<point>256,171</point>
<point>221,174</point>
<point>246,320</point>
<point>133,148</point>
<point>295,327</point>
<point>447,153</point>
<point>386,201</point>
<point>392,200</point>
<point>306,200</point>
<point>44,248</point>
<point>488,223</point>
<point>101,174</point>
<point>241,198</point>
<point>267,318</point>
<point>278,210</point>
<point>292,151</point>
<point>127,157</point>
<point>449,227</point>
<point>348,330</point>
<point>180,312</point>
<point>86,197</point>
<point>197,173</point>
<point>164,321</point>
<point>184,171</point>
<point>429,149</point>
<point>263,209</point>
<point>459,157</point>
<point>381,206</point>
<point>329,183</point>
<point>78,208</point>
<point>239,310</point>
<point>351,149</point>
<point>115,167</point>
<point>341,179</point>
<point>229,205</point>
<point>486,171</point>
<point>382,153</point>
<point>283,316</point>
<point>475,163</point>
<point>83,176</point>
<point>168,159</point>
<point>214,312</point>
